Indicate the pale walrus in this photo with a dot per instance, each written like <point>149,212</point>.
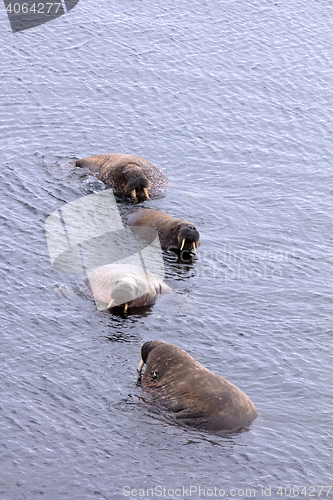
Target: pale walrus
<point>131,175</point>
<point>198,397</point>
<point>174,234</point>
<point>124,285</point>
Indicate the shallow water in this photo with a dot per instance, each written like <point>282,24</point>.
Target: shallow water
<point>233,102</point>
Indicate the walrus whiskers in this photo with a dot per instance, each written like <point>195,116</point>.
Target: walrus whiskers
<point>141,364</point>
<point>145,192</point>
<point>183,243</point>
<point>194,249</point>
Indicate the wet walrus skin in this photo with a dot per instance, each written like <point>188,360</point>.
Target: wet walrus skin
<point>125,284</point>
<point>131,175</point>
<point>174,234</point>
<point>198,397</point>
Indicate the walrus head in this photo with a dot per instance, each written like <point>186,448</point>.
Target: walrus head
<point>123,294</point>
<point>146,348</point>
<point>188,238</point>
<point>136,182</point>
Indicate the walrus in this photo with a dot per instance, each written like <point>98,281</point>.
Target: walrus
<point>130,175</point>
<point>124,285</point>
<point>198,397</point>
<point>174,234</point>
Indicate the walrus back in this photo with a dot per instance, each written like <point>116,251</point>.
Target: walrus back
<point>197,396</point>
<point>92,163</point>
<point>166,226</point>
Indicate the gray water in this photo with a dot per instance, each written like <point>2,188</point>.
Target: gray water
<point>233,100</point>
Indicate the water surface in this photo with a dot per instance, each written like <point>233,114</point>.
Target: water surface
<point>233,101</point>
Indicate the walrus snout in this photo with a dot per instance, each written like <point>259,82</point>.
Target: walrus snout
<point>137,183</point>
<point>122,294</point>
<point>146,348</point>
<point>188,238</point>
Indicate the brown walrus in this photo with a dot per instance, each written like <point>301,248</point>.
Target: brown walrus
<point>131,175</point>
<point>198,397</point>
<point>124,285</point>
<point>174,234</point>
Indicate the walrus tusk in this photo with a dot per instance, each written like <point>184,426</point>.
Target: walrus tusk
<point>183,243</point>
<point>145,192</point>
<point>133,194</point>
<point>125,308</point>
<point>141,365</point>
<point>194,249</point>
<point>111,302</point>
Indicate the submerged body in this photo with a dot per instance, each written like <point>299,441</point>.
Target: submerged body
<point>130,175</point>
<point>174,234</point>
<point>125,285</point>
<point>198,397</point>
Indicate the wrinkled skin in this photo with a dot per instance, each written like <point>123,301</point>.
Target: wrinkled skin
<point>130,175</point>
<point>174,234</point>
<point>195,395</point>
